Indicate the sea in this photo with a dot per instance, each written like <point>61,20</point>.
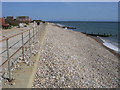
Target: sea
<point>111,42</point>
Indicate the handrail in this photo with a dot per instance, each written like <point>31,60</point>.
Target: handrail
<point>23,40</point>
<point>16,52</point>
<point>15,35</point>
<point>13,44</point>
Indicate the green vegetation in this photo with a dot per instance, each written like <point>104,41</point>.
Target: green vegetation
<point>22,16</point>
<point>12,22</point>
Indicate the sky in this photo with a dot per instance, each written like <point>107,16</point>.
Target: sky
<point>60,0</point>
<point>63,11</point>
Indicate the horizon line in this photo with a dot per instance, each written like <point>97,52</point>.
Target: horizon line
<point>82,20</point>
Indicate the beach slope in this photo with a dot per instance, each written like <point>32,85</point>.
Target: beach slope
<point>73,60</point>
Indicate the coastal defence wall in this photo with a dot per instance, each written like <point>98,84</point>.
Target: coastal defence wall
<point>42,38</point>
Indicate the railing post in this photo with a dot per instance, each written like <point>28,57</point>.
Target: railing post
<point>22,46</point>
<point>33,34</point>
<point>36,34</point>
<point>9,65</point>
<point>37,31</point>
<point>29,43</point>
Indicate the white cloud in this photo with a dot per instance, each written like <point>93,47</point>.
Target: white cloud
<point>60,0</point>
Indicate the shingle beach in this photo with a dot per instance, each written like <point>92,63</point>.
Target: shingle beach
<point>71,59</point>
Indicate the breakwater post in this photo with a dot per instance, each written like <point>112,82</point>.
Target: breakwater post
<point>98,34</point>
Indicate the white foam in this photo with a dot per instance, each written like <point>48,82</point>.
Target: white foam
<point>66,28</point>
<point>59,24</point>
<point>111,46</point>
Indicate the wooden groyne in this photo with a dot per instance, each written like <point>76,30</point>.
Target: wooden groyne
<point>98,34</point>
<point>68,27</point>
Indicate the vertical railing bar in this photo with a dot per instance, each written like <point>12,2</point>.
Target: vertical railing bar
<point>22,46</point>
<point>33,34</point>
<point>29,43</point>
<point>37,33</point>
<point>9,66</point>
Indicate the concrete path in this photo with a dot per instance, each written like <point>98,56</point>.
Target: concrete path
<point>25,74</point>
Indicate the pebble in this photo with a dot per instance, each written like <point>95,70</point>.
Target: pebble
<point>71,61</point>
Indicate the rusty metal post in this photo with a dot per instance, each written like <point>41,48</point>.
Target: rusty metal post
<point>38,32</point>
<point>9,63</point>
<point>33,34</point>
<point>29,43</point>
<point>22,46</point>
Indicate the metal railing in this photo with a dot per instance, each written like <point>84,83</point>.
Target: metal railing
<point>18,48</point>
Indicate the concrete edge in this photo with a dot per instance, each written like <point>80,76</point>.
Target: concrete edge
<point>32,77</point>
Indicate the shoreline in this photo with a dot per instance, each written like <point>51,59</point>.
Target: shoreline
<point>73,60</point>
<point>96,39</point>
<point>70,59</point>
<point>101,42</point>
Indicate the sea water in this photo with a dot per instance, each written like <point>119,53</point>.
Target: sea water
<point>96,27</point>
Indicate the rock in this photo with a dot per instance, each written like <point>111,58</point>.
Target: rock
<point>44,59</point>
<point>12,83</point>
<point>53,77</point>
<point>42,80</point>
<point>69,60</point>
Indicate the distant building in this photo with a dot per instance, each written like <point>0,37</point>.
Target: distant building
<point>3,24</point>
<point>24,19</point>
<point>10,21</point>
<point>2,21</point>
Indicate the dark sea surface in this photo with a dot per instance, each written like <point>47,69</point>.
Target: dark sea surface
<point>96,27</point>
